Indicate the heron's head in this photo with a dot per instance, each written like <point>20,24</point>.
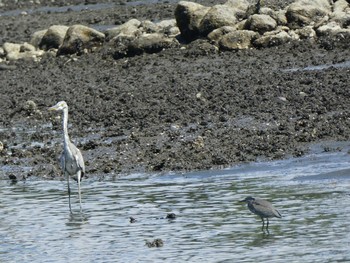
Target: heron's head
<point>59,106</point>
<point>248,199</point>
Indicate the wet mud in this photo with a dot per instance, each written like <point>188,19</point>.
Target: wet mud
<point>185,108</point>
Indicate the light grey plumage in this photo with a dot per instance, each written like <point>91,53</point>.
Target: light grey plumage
<point>72,162</point>
<point>262,208</point>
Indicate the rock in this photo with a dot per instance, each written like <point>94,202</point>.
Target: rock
<point>328,28</point>
<point>30,107</point>
<point>36,37</point>
<point>167,23</point>
<point>148,26</point>
<point>200,47</point>
<point>279,16</point>
<point>266,11</point>
<point>13,178</point>
<point>227,14</point>
<point>31,55</point>
<point>26,47</point>
<point>307,12</point>
<point>130,29</point>
<point>168,27</point>
<point>293,34</point>
<point>242,5</point>
<point>11,48</point>
<point>136,37</point>
<point>216,35</point>
<point>306,32</point>
<point>53,37</point>
<point>188,17</point>
<point>333,29</point>
<point>171,216</point>
<point>20,51</point>
<point>341,6</point>
<point>155,243</point>
<point>218,16</point>
<point>341,13</point>
<point>270,40</point>
<point>261,23</point>
<point>80,38</point>
<point>241,39</point>
<point>149,43</point>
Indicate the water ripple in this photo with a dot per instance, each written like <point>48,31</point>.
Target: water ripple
<point>211,225</point>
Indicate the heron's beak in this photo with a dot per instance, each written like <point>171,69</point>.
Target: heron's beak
<point>242,201</point>
<point>52,108</point>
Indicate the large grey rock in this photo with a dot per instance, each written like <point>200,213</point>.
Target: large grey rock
<point>53,37</point>
<point>241,39</point>
<point>218,16</point>
<point>188,17</point>
<point>80,38</point>
<point>307,12</point>
<point>261,23</point>
<point>227,14</point>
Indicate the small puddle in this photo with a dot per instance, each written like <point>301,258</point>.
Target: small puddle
<point>345,64</point>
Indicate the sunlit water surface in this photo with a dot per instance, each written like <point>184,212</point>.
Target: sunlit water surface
<point>312,193</point>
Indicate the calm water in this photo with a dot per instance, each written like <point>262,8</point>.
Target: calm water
<point>312,194</point>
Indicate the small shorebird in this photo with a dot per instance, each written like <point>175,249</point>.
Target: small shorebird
<point>262,208</point>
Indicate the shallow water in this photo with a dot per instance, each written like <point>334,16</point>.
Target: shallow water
<point>211,226</point>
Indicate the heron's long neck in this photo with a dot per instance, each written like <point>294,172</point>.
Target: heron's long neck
<point>65,126</point>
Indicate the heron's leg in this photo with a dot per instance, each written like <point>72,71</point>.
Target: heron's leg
<point>262,219</point>
<point>267,225</point>
<point>70,207</point>
<point>79,178</point>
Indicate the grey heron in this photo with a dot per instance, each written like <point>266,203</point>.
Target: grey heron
<point>262,208</point>
<point>72,162</point>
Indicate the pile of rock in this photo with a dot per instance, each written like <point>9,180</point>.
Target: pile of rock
<point>130,38</point>
<point>237,24</point>
<point>240,25</point>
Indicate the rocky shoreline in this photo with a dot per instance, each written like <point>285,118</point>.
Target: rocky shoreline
<point>234,25</point>
<point>189,105</point>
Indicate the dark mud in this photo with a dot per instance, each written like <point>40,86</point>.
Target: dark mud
<point>185,108</point>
